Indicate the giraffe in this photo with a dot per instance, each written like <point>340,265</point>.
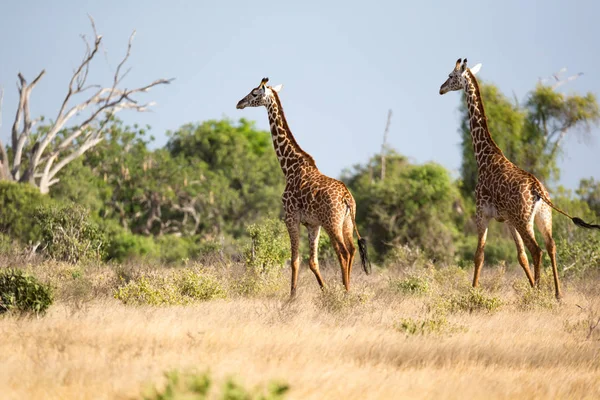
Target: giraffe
<point>310,198</point>
<point>504,191</point>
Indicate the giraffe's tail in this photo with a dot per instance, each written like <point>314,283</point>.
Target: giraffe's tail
<point>362,242</point>
<point>576,220</point>
<point>362,249</point>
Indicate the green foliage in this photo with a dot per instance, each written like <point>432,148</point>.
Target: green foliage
<point>270,246</point>
<point>173,249</point>
<point>427,326</point>
<point>68,233</point>
<point>194,386</point>
<point>23,293</point>
<point>79,184</point>
<point>123,245</point>
<point>536,298</point>
<point>474,300</point>
<point>405,257</point>
<point>589,191</point>
<point>335,299</point>
<point>200,286</point>
<point>180,287</point>
<point>18,203</point>
<point>577,249</point>
<point>413,206</point>
<point>529,134</point>
<point>413,284</point>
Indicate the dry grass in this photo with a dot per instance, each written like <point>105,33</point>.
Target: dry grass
<point>350,349</point>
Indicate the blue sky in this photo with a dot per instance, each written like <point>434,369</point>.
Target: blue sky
<point>343,65</point>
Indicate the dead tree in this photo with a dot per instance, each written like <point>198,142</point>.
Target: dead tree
<point>384,144</point>
<point>37,157</point>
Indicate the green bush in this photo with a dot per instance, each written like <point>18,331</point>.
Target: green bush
<point>200,286</point>
<point>335,299</point>
<point>150,290</point>
<point>256,284</point>
<point>411,285</point>
<point>175,249</point>
<point>18,203</point>
<point>536,298</point>
<point>123,245</point>
<point>269,248</point>
<point>435,325</point>
<point>178,287</point>
<point>68,233</point>
<point>578,257</point>
<point>473,301</point>
<point>23,293</point>
<point>189,386</point>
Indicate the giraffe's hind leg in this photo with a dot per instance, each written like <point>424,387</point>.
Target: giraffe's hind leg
<point>528,236</point>
<point>313,240</point>
<point>521,253</point>
<point>543,221</point>
<point>293,227</point>
<point>482,230</point>
<point>339,245</point>
<point>348,232</point>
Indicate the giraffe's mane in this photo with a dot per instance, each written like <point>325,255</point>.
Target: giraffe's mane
<point>291,137</point>
<point>484,123</point>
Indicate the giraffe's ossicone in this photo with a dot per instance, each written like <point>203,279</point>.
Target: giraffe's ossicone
<point>310,198</point>
<point>504,191</point>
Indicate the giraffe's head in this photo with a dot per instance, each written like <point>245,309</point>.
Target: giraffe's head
<point>457,80</point>
<point>259,96</point>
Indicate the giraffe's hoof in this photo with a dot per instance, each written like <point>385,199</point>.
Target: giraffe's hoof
<point>559,297</point>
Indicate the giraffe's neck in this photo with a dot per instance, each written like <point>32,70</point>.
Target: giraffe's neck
<point>484,146</point>
<point>291,156</point>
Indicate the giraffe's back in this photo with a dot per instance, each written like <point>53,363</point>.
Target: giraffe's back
<point>507,192</point>
<point>318,199</point>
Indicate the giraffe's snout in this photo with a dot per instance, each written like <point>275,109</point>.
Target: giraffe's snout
<point>241,104</point>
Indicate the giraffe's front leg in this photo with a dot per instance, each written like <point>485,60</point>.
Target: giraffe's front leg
<point>313,241</point>
<point>482,230</point>
<point>293,226</point>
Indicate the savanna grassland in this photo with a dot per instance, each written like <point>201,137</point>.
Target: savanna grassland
<point>410,331</point>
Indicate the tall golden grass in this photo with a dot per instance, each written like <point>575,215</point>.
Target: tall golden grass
<point>324,345</point>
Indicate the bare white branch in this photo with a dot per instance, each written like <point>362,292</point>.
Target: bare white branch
<point>105,101</point>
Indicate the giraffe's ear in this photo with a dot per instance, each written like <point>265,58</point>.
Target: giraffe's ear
<point>277,88</point>
<point>476,69</point>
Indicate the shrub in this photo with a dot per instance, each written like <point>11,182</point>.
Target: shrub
<point>180,386</point>
<point>269,248</point>
<point>174,249</point>
<point>200,286</point>
<point>68,234</point>
<point>335,299</point>
<point>123,245</point>
<point>452,277</point>
<point>18,203</point>
<point>178,287</point>
<point>411,285</point>
<point>150,290</point>
<point>579,256</point>
<point>427,326</point>
<point>472,301</point>
<point>23,293</point>
<point>532,298</point>
<point>254,284</point>
<point>404,256</point>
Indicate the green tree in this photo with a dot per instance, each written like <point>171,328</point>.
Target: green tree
<point>238,162</point>
<point>413,206</point>
<point>589,191</point>
<point>531,134</point>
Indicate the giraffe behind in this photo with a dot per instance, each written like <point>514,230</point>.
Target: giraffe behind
<point>310,198</point>
<point>504,191</point>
